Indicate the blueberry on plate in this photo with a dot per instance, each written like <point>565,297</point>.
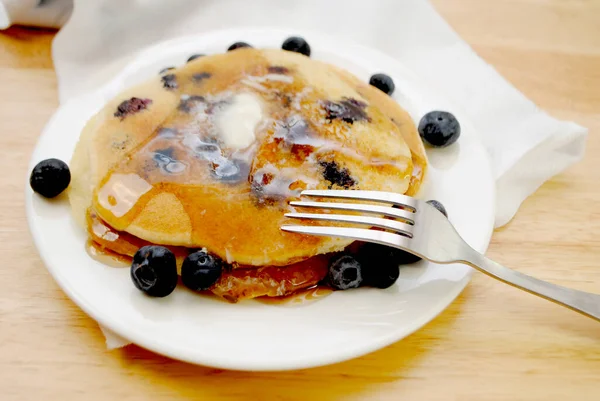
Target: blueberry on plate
<point>345,272</point>
<point>200,270</point>
<point>383,82</point>
<point>381,275</point>
<point>439,129</point>
<point>237,45</point>
<point>154,270</point>
<point>438,205</point>
<point>381,264</point>
<point>296,44</point>
<point>194,57</point>
<point>50,177</point>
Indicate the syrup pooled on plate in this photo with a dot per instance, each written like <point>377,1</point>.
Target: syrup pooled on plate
<point>299,298</point>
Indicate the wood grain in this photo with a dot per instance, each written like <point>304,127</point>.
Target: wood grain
<point>493,343</point>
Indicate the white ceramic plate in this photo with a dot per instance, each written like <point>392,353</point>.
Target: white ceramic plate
<point>251,335</point>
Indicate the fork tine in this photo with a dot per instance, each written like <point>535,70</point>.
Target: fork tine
<point>377,196</point>
<point>402,214</point>
<point>359,234</point>
<point>395,225</point>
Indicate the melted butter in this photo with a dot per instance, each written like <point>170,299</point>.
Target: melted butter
<point>237,121</point>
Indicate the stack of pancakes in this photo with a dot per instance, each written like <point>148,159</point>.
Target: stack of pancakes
<point>208,155</point>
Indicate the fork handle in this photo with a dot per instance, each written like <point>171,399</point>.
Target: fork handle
<point>583,302</point>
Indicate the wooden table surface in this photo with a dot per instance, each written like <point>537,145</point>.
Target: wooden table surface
<point>492,343</point>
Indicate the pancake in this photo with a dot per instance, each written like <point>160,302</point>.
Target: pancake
<point>244,282</point>
<point>207,155</point>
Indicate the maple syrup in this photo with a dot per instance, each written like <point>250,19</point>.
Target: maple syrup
<point>105,256</point>
<point>299,298</point>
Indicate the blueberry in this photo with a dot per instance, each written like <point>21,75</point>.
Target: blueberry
<point>438,205</point>
<point>383,82</point>
<point>296,44</point>
<point>383,276</point>
<point>154,270</point>
<point>50,177</point>
<point>194,57</point>
<point>381,264</point>
<point>237,45</point>
<point>345,272</point>
<point>200,270</point>
<point>201,76</point>
<point>169,81</point>
<point>439,129</point>
<point>231,171</point>
<point>336,175</point>
<point>165,70</point>
<point>187,104</point>
<point>278,69</point>
<point>347,109</point>
<point>132,106</point>
<point>380,255</point>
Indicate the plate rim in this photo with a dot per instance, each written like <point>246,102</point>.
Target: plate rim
<point>226,363</point>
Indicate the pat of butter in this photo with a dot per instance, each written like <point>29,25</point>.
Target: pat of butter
<point>237,121</point>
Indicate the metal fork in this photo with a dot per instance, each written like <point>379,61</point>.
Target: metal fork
<point>420,229</point>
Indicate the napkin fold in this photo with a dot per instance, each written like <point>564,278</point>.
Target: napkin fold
<point>526,146</point>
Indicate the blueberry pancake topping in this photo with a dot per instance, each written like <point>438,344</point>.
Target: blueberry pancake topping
<point>169,81</point>
<point>154,270</point>
<point>167,152</point>
<point>200,270</point>
<point>188,104</point>
<point>294,131</point>
<point>131,106</point>
<point>50,177</point>
<point>165,159</point>
<point>201,76</point>
<point>335,175</point>
<point>439,129</point>
<point>383,82</point>
<point>348,110</point>
<point>296,44</point>
<point>231,171</point>
<point>237,45</point>
<point>277,69</point>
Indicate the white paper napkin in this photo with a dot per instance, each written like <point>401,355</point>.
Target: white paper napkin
<point>526,146</point>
